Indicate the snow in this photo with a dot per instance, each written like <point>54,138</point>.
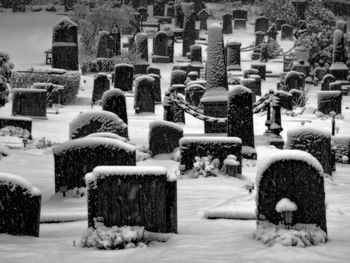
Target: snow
<point>173,125</point>
<point>108,135</point>
<point>279,155</point>
<point>103,171</point>
<point>285,205</point>
<point>15,180</point>
<point>17,90</point>
<point>91,141</point>
<point>209,139</point>
<point>15,118</point>
<point>307,130</point>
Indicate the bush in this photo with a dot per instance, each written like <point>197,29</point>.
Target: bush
<point>70,81</point>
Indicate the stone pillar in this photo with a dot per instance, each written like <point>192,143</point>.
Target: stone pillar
<point>189,27</point>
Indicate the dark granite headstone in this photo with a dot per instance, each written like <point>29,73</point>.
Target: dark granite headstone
<point>227,24</point>
<point>328,101</point>
<point>141,45</point>
<point>261,24</point>
<point>156,88</point>
<point>144,94</point>
<point>123,76</point>
<point>29,102</point>
<point>203,16</point>
<point>114,101</point>
<point>101,84</point>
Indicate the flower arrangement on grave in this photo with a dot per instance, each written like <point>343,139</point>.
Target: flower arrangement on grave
<point>208,166</point>
<point>108,238</point>
<point>15,131</point>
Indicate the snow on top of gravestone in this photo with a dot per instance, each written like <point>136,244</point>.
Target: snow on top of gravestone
<point>238,89</point>
<point>87,142</point>
<point>279,155</point>
<point>173,125</point>
<point>307,131</point>
<point>17,118</point>
<point>66,21</point>
<point>284,205</point>
<point>209,139</point>
<point>17,90</point>
<point>108,135</point>
<point>328,94</point>
<point>143,78</point>
<point>104,171</point>
<point>15,180</point>
<point>123,65</point>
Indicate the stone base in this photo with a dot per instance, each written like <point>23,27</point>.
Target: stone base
<point>160,59</point>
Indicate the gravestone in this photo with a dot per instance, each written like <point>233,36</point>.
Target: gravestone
<point>160,48</point>
<point>141,46</point>
<point>103,49</point>
<point>240,115</point>
<point>75,158</point>
<point>193,75</point>
<point>280,22</point>
<point>115,41</point>
<point>328,101</point>
<point>114,101</point>
<point>20,206</point>
<point>154,205</point>
<point>314,141</point>
<point>178,77</point>
<point>153,70</point>
<point>143,13</point>
<point>272,32</point>
<point>338,68</point>
<point>96,121</point>
<point>140,68</point>
<point>158,7</point>
<point>257,89</point>
<point>287,32</point>
<point>335,85</point>
<point>214,99</point>
<point>296,175</point>
<point>301,66</point>
<point>203,16</point>
<point>233,56</point>
<point>144,94</point>
<point>194,93</point>
<point>327,79</point>
<point>25,123</point>
<point>172,112</point>
<point>123,76</point>
<point>29,102</point>
<point>261,69</point>
<point>251,84</point>
<point>189,27</point>
<point>65,45</point>
<point>171,43</point>
<point>196,55</point>
<point>227,24</point>
<point>261,24</point>
<point>164,137</point>
<point>240,14</point>
<point>342,148</point>
<point>170,11</point>
<point>250,71</point>
<point>179,16</point>
<point>156,88</point>
<point>101,84</point>
<point>293,80</point>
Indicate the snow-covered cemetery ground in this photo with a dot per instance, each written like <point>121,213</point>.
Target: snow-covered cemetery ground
<point>25,37</point>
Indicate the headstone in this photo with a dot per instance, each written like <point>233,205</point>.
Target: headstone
<point>240,115</point>
<point>193,75</point>
<point>158,7</point>
<point>25,123</point>
<point>250,84</point>
<point>141,45</point>
<point>172,112</point>
<point>338,68</point>
<point>75,158</point>
<point>294,174</point>
<point>114,101</point>
<point>189,26</point>
<point>287,32</point>
<point>123,76</point>
<point>257,89</point>
<point>160,48</point>
<point>171,43</point>
<point>293,80</point>
<point>327,79</point>
<point>154,205</point>
<point>178,77</point>
<point>156,88</point>
<point>170,11</point>
<point>164,137</point>
<point>101,84</point>
<point>194,93</point>
<point>144,94</point>
<point>203,16</point>
<point>29,102</point>
<point>233,56</point>
<point>97,121</point>
<point>196,55</point>
<point>115,41</point>
<point>259,37</point>
<point>214,99</point>
<point>328,101</point>
<point>20,206</point>
<point>301,66</point>
<point>140,68</point>
<point>153,70</point>
<point>227,24</point>
<point>261,24</point>
<point>240,14</point>
<point>335,85</point>
<point>143,13</point>
<point>103,49</point>
<point>314,141</point>
<point>65,45</point>
<point>261,68</point>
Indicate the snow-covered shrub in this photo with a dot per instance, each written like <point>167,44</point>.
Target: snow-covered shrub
<point>164,136</point>
<point>217,147</point>
<point>314,141</point>
<point>70,80</point>
<point>296,175</point>
<point>97,121</point>
<point>20,206</point>
<point>145,194</point>
<point>75,158</point>
<point>102,237</point>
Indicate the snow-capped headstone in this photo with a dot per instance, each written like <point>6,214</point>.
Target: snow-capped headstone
<point>328,101</point>
<point>75,158</point>
<point>114,101</point>
<point>178,77</point>
<point>97,121</point>
<point>153,70</point>
<point>287,32</point>
<point>251,84</point>
<point>141,45</point>
<point>160,48</point>
<point>314,141</point>
<point>261,24</point>
<point>20,206</point>
<point>227,24</point>
<point>233,55</point>
<point>123,76</point>
<point>164,137</point>
<point>203,16</point>
<point>194,93</point>
<point>29,102</point>
<point>144,94</point>
<point>101,84</point>
<point>319,73</point>
<point>296,175</point>
<point>156,88</point>
<point>134,196</point>
<point>196,55</point>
